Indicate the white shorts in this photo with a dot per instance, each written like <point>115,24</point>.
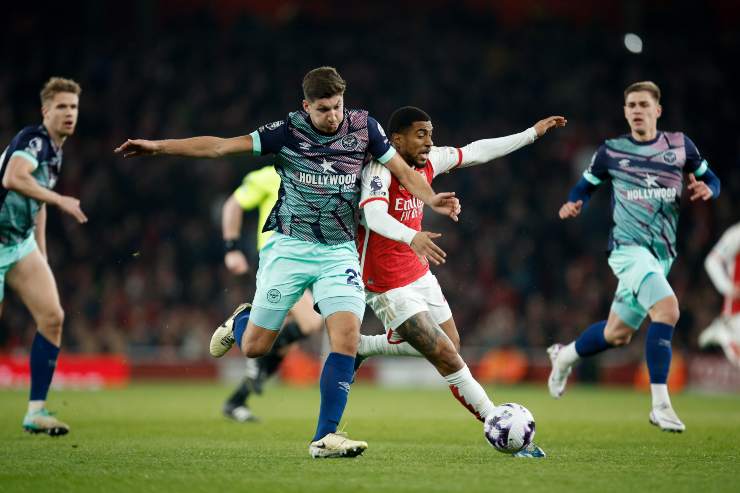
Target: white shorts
<point>397,305</point>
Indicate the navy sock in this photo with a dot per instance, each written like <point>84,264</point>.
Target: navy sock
<point>240,325</point>
<point>335,381</point>
<point>658,351</point>
<point>591,341</point>
<point>43,362</point>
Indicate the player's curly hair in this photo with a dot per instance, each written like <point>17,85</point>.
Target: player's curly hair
<point>404,117</point>
<point>323,82</point>
<point>56,85</point>
<point>645,85</point>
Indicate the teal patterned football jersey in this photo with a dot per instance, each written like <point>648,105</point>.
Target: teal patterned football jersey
<point>647,182</point>
<point>320,173</point>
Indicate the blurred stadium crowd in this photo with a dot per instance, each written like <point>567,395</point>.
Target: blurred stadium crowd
<point>145,276</point>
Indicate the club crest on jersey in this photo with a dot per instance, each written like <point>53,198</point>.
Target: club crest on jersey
<point>349,142</point>
<point>669,157</point>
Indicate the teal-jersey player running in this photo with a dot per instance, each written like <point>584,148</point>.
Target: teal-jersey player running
<point>30,168</point>
<point>319,154</point>
<point>646,170</point>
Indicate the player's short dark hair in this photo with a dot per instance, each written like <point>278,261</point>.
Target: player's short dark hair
<point>404,117</point>
<point>645,85</point>
<point>323,82</point>
<point>56,85</point>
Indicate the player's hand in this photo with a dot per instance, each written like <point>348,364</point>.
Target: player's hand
<point>424,247</point>
<point>699,189</point>
<point>71,206</point>
<point>570,209</point>
<point>542,126</point>
<point>138,147</point>
<point>236,262</point>
<point>447,204</point>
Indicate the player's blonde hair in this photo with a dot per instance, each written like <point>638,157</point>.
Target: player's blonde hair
<point>56,85</point>
<point>646,85</point>
<point>323,82</point>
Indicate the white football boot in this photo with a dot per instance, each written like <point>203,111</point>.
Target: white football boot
<point>223,337</point>
<point>558,378</point>
<point>336,444</point>
<point>42,421</point>
<point>666,419</point>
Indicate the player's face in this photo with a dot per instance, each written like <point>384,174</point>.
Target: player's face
<point>60,113</point>
<point>415,143</point>
<point>326,113</point>
<point>642,112</point>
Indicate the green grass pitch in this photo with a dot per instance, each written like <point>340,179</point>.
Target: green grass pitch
<point>171,437</point>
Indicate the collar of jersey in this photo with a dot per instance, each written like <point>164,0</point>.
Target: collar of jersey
<point>658,135</point>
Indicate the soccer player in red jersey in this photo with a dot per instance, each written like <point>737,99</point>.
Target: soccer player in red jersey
<point>723,267</point>
<point>399,286</point>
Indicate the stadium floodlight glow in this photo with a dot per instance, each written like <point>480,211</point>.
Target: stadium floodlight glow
<point>633,43</point>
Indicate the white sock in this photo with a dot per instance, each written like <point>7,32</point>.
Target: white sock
<point>567,356</point>
<point>660,395</point>
<point>378,344</point>
<point>470,393</point>
<point>34,406</point>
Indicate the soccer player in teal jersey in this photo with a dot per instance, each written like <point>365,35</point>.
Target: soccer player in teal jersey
<point>319,154</point>
<point>645,168</point>
<point>30,168</point>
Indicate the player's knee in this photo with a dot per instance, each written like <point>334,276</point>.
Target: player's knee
<point>666,312</point>
<point>54,318</point>
<point>618,336</point>
<point>51,322</point>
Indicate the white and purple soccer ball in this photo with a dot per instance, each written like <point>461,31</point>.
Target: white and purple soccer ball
<point>509,428</point>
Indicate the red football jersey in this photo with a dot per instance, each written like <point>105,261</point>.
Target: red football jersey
<point>387,264</point>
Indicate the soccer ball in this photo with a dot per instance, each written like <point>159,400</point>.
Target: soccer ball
<point>510,428</point>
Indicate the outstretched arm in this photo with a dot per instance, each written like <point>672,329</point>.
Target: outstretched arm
<point>208,147</point>
<point>483,151</point>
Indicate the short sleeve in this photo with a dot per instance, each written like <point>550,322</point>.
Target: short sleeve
<point>249,194</point>
<point>444,159</point>
<point>376,180</point>
<point>270,138</point>
<point>598,170</point>
<point>378,145</point>
<point>694,162</point>
<point>29,146</point>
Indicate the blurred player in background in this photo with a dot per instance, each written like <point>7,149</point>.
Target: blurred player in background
<point>30,168</point>
<point>319,154</point>
<point>723,267</point>
<point>646,169</point>
<point>400,288</point>
<point>259,190</point>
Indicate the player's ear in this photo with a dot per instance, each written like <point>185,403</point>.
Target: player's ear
<point>658,111</point>
<point>305,105</point>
